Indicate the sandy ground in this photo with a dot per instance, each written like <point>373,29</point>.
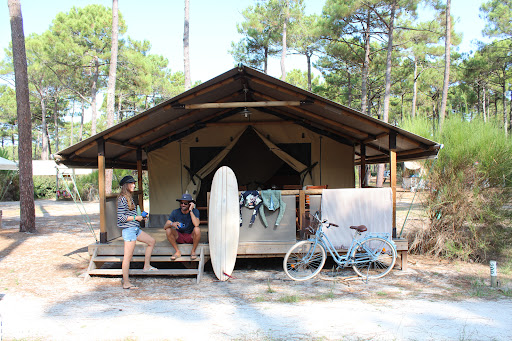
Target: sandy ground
<point>44,296</point>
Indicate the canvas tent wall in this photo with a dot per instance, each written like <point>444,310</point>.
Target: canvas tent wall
<point>168,178</point>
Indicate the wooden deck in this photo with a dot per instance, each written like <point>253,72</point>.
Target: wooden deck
<point>113,252</point>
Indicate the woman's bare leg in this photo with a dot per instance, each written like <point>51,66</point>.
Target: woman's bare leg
<point>146,238</point>
<point>128,253</point>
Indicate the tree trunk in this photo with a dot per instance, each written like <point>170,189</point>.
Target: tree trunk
<point>387,91</point>
<point>72,117</point>
<point>56,123</point>
<point>510,112</point>
<point>447,47</point>
<point>504,102</point>
<point>349,79</point>
<point>186,46</point>
<point>44,141</point>
<point>283,52</point>
<point>81,136</point>
<point>13,140</point>
<point>483,104</point>
<point>94,91</point>
<point>119,107</point>
<point>414,89</point>
<point>265,60</point>
<point>366,65</point>
<point>27,209</point>
<point>111,87</point>
<point>308,58</point>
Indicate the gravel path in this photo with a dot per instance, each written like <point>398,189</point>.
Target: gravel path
<point>43,296</point>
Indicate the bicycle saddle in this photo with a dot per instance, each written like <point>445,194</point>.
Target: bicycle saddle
<point>360,228</point>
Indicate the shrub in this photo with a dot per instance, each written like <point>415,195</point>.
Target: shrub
<point>469,186</point>
<point>9,186</point>
<point>44,186</point>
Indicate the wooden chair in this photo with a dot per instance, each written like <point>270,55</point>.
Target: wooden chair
<point>307,196</point>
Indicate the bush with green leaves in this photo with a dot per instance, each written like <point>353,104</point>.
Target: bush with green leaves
<point>468,189</point>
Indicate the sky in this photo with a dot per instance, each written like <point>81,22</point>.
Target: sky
<point>212,28</point>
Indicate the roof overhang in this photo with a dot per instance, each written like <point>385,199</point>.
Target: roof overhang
<point>217,100</point>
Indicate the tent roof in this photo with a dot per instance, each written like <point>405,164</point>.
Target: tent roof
<point>7,164</point>
<point>217,102</point>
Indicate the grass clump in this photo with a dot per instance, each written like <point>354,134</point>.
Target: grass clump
<point>289,299</point>
<point>469,191</point>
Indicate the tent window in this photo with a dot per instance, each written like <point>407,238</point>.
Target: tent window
<point>299,151</point>
<point>200,156</point>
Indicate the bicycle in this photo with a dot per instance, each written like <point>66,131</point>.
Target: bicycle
<point>371,256</point>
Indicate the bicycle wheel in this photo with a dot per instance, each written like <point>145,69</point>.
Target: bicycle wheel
<point>374,258</point>
<point>302,262</point>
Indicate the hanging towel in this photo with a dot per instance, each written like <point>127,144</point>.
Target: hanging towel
<point>372,207</point>
<point>252,200</point>
<point>273,201</point>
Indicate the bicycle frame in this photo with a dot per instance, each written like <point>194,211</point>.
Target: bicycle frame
<point>344,260</point>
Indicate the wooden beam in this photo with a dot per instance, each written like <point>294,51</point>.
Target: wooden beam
<point>106,136</point>
<point>101,190</point>
<point>176,120</point>
<point>185,128</point>
<point>331,107</point>
<point>273,86</point>
<point>205,90</point>
<point>328,122</point>
<point>122,144</point>
<point>246,123</point>
<point>122,156</point>
<point>216,105</point>
<point>375,138</point>
<point>302,207</point>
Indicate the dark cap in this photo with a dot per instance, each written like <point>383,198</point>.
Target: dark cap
<point>127,180</point>
<point>186,197</point>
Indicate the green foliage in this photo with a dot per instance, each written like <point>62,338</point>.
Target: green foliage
<point>469,187</point>
<point>499,16</point>
<point>300,79</point>
<point>44,187</point>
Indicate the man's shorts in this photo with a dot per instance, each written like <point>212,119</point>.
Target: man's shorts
<point>184,238</point>
<point>131,233</point>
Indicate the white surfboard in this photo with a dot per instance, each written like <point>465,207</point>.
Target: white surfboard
<point>223,222</point>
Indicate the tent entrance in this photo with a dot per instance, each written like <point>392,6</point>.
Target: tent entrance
<point>253,163</point>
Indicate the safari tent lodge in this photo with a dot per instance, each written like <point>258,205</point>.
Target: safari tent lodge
<point>272,134</point>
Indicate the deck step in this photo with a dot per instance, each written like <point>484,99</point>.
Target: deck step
<point>141,259</point>
<point>97,261</point>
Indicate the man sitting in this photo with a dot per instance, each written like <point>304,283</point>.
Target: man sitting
<point>183,226</point>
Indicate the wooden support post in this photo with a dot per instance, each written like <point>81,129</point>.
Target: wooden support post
<point>139,179</point>
<point>362,175</point>
<point>302,207</point>
<point>101,189</point>
<point>392,175</point>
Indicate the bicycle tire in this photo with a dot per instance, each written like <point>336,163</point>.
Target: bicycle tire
<point>300,265</point>
<point>374,257</point>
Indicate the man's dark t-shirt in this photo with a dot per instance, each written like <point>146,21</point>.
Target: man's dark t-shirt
<point>184,219</point>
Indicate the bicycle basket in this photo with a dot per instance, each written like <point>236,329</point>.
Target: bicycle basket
<point>310,224</point>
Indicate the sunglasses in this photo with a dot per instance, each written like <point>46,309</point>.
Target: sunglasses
<point>184,203</point>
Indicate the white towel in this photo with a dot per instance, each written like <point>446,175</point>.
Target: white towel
<point>372,207</point>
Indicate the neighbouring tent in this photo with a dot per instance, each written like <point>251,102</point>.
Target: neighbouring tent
<point>7,164</point>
